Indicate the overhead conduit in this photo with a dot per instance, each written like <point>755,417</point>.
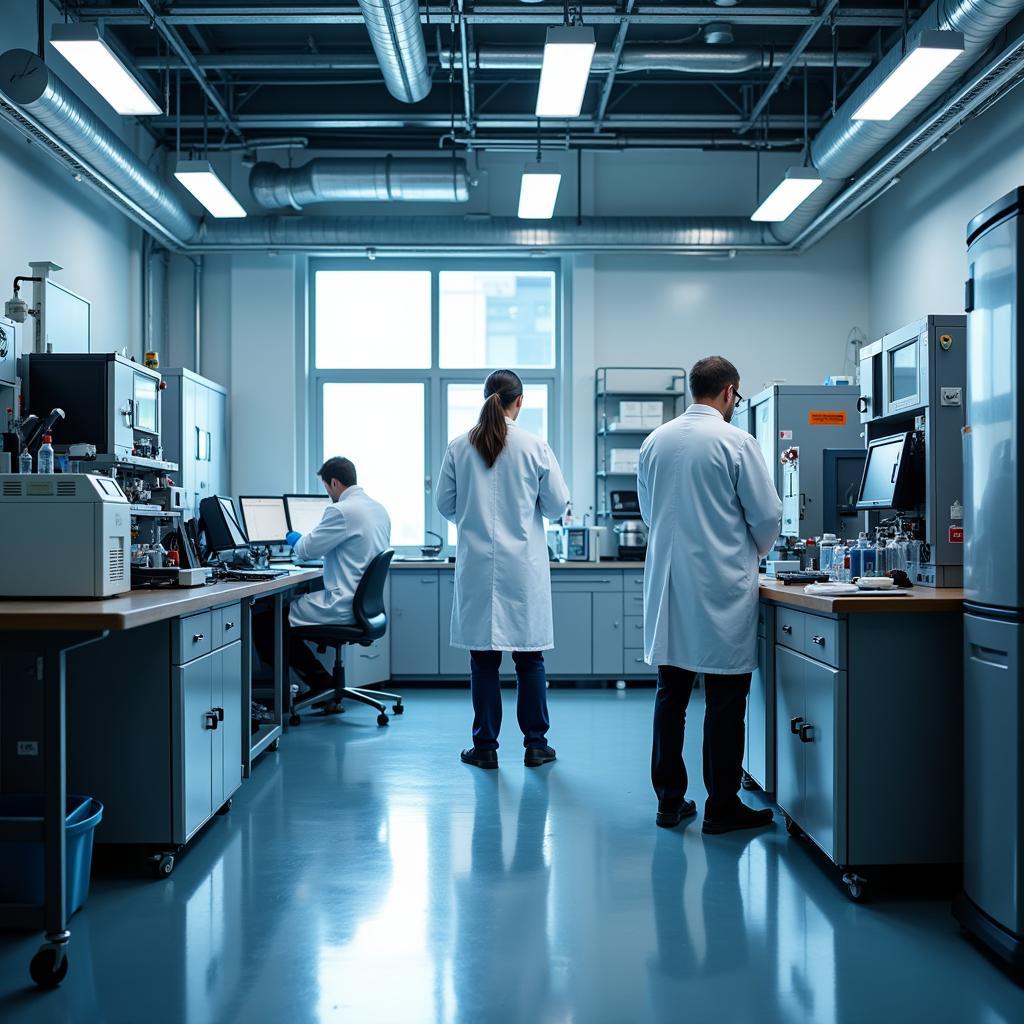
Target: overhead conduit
<point>397,38</point>
<point>840,150</point>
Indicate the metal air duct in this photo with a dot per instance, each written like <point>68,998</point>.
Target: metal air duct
<point>47,100</point>
<point>397,38</point>
<point>329,180</point>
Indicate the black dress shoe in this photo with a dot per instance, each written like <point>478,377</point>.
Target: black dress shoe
<point>536,756</point>
<point>741,816</point>
<point>671,816</point>
<point>480,758</point>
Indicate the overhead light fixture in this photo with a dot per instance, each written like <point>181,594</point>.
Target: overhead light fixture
<point>932,54</point>
<point>199,177</point>
<point>794,188</point>
<point>568,53</point>
<point>538,191</point>
<point>82,46</point>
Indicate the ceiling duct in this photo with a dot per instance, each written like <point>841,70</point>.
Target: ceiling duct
<point>397,38</point>
<point>387,180</point>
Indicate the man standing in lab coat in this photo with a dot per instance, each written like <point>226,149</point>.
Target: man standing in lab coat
<point>713,512</point>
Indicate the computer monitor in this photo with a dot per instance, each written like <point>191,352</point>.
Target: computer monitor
<point>264,519</point>
<point>223,532</point>
<point>305,510</point>
<point>887,481</point>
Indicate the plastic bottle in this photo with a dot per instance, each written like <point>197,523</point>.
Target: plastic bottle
<point>45,461</point>
<point>862,558</point>
<point>828,547</point>
<point>25,461</point>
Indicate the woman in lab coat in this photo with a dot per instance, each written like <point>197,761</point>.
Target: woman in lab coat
<point>497,484</point>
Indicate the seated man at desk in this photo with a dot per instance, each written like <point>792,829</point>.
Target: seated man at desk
<point>353,531</point>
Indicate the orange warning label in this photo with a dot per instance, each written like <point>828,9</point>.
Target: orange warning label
<point>833,418</point>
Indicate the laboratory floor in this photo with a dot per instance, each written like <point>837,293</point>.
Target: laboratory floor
<point>365,875</point>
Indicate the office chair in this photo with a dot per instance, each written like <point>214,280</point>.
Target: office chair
<point>371,624</point>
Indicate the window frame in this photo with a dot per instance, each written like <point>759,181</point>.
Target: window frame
<point>435,378</point>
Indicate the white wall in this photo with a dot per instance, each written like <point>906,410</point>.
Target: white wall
<point>918,229</point>
<point>47,215</point>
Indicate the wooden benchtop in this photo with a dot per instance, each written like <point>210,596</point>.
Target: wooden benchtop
<point>920,599</point>
<point>137,608</point>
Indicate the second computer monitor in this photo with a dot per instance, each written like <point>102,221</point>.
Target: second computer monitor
<point>266,521</point>
<point>305,510</point>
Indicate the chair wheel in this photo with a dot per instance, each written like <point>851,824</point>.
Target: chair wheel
<point>224,807</point>
<point>163,865</point>
<point>295,720</point>
<point>398,709</point>
<point>382,719</point>
<point>48,967</point>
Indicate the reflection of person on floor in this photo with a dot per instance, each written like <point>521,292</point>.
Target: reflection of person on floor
<point>353,531</point>
<point>502,960</point>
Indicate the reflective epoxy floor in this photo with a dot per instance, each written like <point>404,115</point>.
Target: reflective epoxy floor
<point>364,874</point>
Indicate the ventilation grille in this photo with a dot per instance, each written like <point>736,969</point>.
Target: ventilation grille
<point>66,488</point>
<point>12,489</point>
<point>115,560</point>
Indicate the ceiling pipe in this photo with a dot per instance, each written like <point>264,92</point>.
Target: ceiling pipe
<point>360,180</point>
<point>397,39</point>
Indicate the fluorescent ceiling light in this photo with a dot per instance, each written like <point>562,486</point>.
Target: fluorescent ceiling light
<point>199,177</point>
<point>794,188</point>
<point>85,50</point>
<point>538,191</point>
<point>934,52</point>
<point>568,52</point>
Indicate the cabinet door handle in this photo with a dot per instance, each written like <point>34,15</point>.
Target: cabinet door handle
<point>229,625</point>
<point>616,625</point>
<point>819,640</point>
<point>788,630</point>
<point>805,733</point>
<point>640,661</point>
<point>219,712</point>
<point>369,657</point>
<point>196,637</point>
<point>211,719</point>
<point>428,580</point>
<point>794,725</point>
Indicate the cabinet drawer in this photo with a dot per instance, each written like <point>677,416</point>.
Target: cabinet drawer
<point>634,631</point>
<point>634,664</point>
<point>789,628</point>
<point>822,640</point>
<point>633,602</point>
<point>633,581</point>
<point>227,625</point>
<point>590,581</point>
<point>192,637</point>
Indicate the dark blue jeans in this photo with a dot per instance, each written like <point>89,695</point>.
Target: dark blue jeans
<point>531,703</point>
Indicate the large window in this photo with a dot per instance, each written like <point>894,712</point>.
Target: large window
<point>399,355</point>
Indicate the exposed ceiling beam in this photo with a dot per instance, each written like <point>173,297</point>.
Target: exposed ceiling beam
<point>790,62</point>
<point>609,82</point>
<point>507,14</point>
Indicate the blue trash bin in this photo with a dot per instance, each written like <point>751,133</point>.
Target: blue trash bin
<point>22,864</point>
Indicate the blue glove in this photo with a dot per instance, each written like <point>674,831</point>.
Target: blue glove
<point>293,538</point>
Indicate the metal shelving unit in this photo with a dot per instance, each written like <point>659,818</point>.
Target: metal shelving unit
<point>614,384</point>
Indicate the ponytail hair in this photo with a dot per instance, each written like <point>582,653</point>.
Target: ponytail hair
<point>488,437</point>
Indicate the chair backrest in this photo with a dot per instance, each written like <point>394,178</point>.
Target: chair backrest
<point>368,602</point>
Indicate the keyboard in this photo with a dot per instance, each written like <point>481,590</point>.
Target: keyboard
<point>252,575</point>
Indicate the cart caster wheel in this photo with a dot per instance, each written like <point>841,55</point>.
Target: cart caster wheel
<point>855,887</point>
<point>382,719</point>
<point>747,782</point>
<point>398,709</point>
<point>274,746</point>
<point>791,826</point>
<point>295,720</point>
<point>49,967</point>
<point>163,865</point>
<point>224,807</point>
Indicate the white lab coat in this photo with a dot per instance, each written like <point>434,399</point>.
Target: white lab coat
<point>713,512</point>
<point>502,572</point>
<point>353,531</point>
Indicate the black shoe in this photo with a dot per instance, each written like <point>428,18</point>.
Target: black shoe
<point>480,758</point>
<point>536,756</point>
<point>671,817</point>
<point>741,816</point>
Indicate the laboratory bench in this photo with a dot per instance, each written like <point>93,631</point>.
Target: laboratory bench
<point>141,701</point>
<point>854,724</point>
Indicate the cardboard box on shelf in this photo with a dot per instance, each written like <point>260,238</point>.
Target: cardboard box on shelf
<point>653,414</point>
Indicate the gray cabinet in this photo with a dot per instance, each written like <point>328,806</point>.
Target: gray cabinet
<point>195,697</point>
<point>415,623</point>
<point>759,756</point>
<point>195,434</point>
<point>366,666</point>
<point>607,636</point>
<point>574,630</point>
<point>453,662</point>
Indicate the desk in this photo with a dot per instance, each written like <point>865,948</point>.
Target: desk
<point>50,631</point>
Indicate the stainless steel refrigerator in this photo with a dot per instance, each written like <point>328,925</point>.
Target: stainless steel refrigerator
<point>992,907</point>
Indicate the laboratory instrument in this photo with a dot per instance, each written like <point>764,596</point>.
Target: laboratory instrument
<point>841,472</point>
<point>992,907</point>
<point>64,535</point>
<point>912,386</point>
<point>632,539</point>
